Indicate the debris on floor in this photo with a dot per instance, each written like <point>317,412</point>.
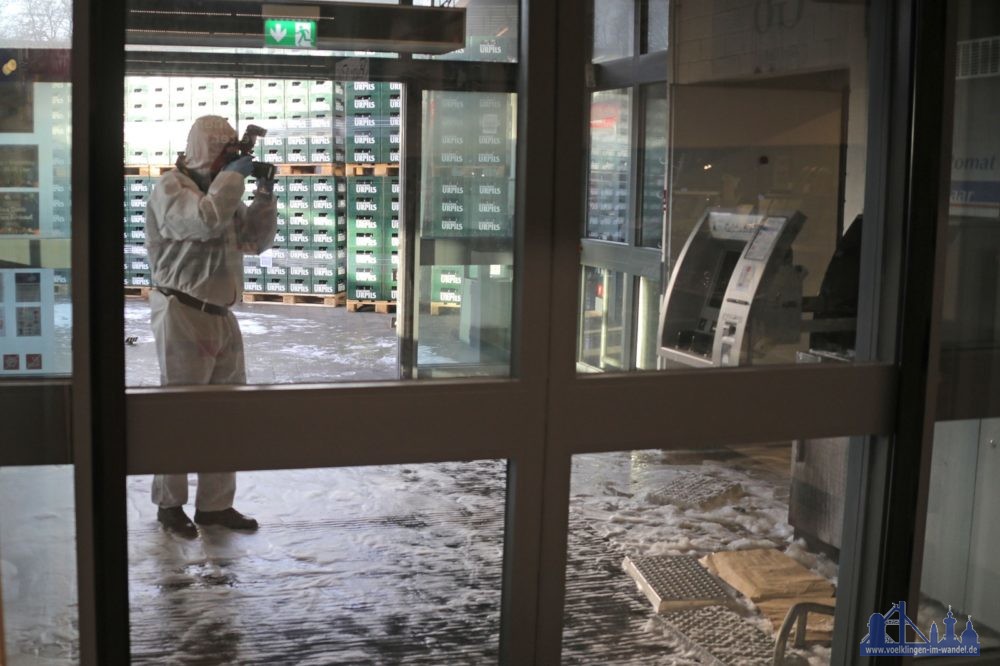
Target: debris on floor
<point>722,637</point>
<point>675,582</point>
<point>775,582</point>
<point>691,490</point>
<point>765,573</point>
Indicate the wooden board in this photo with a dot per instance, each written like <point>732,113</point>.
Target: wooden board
<point>138,292</point>
<point>149,171</point>
<point>372,169</point>
<point>819,628</point>
<point>315,169</point>
<point>767,574</point>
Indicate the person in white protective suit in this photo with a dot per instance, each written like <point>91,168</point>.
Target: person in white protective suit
<point>197,232</point>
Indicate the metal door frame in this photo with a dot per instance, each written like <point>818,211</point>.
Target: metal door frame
<point>117,433</point>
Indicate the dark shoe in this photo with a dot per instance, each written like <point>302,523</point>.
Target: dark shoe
<point>175,520</point>
<point>228,518</point>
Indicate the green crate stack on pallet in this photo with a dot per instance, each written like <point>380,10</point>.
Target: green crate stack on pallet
<point>471,182</point>
<point>446,284</point>
<point>61,125</point>
<point>367,265</point>
<point>373,121</point>
<point>306,127</point>
<point>136,193</point>
<point>470,187</point>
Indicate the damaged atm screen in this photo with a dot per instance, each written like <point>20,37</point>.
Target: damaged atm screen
<point>765,238</point>
<point>726,266</point>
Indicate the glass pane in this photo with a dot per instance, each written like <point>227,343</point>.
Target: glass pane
<point>465,246</point>
<point>35,141</point>
<point>387,564</point>
<point>38,613</point>
<point>666,551</point>
<point>610,173</point>
<point>491,30</point>
<point>614,29</point>
<point>960,576</point>
<point>228,302</point>
<point>648,315</point>
<point>654,165</point>
<point>657,25</point>
<point>604,335</point>
<point>762,135</point>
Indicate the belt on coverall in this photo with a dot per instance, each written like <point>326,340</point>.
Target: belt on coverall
<point>193,302</point>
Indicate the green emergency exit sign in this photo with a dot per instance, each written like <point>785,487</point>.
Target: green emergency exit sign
<point>290,33</point>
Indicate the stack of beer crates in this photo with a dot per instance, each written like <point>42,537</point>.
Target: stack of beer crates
<point>373,121</point>
<point>469,193</point>
<point>305,140</point>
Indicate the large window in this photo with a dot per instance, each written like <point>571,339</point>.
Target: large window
<point>961,539</point>
<point>742,161</point>
<point>393,200</point>
<point>39,614</point>
<point>549,214</point>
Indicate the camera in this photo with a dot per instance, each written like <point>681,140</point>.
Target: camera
<point>261,170</point>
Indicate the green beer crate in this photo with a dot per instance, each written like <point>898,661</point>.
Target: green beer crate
<point>300,219</point>
<point>446,284</point>
<point>363,97</point>
<point>276,285</point>
<point>324,219</point>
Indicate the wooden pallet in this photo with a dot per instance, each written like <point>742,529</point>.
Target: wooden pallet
<point>372,169</point>
<point>137,292</point>
<point>324,300</point>
<point>324,169</point>
<point>438,308</point>
<point>381,307</point>
<point>148,171</point>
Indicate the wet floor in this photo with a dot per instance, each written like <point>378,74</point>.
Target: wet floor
<point>397,564</point>
<point>377,565</point>
<point>386,565</point>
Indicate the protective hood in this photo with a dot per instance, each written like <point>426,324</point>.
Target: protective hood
<point>208,136</point>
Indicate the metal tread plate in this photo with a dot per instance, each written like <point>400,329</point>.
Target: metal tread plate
<point>722,636</point>
<point>700,491</point>
<point>672,582</point>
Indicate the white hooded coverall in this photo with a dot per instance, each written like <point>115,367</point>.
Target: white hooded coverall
<point>196,241</point>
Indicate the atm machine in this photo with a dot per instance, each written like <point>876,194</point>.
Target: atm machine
<point>735,291</point>
<point>734,297</point>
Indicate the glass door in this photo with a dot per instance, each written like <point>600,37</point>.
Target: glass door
<point>385,248</point>
<point>957,570</point>
<point>39,608</point>
<point>532,294</point>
